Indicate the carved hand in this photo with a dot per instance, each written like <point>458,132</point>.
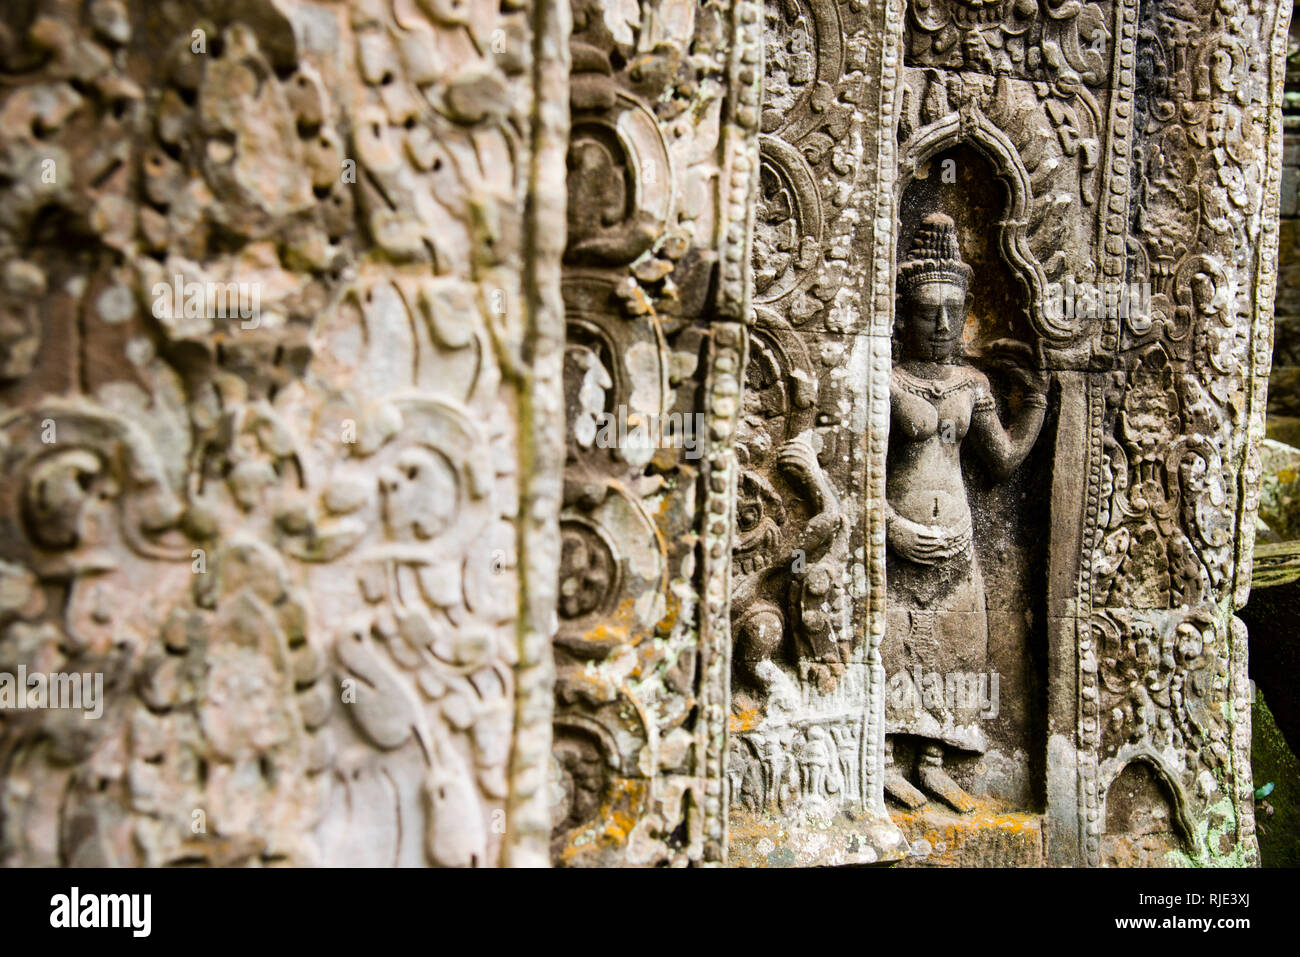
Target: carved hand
<point>798,457</point>
<point>1033,381</point>
<point>1017,361</point>
<point>926,544</point>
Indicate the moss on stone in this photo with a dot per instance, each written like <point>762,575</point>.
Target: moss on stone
<point>1272,761</point>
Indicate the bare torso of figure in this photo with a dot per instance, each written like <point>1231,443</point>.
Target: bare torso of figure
<point>931,418</point>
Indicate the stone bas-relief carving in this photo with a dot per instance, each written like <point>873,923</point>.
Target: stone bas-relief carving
<point>1152,404</point>
<point>267,403</point>
<point>314,321</point>
<point>1033,126</point>
<point>651,359</point>
<point>937,626</point>
<point>806,731</point>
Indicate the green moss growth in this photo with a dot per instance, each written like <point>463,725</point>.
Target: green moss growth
<point>1271,760</point>
<point>1217,832</point>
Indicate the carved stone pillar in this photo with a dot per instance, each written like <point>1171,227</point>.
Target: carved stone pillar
<point>661,172</point>
<point>805,755</point>
<point>1113,172</point>
<point>282,366</point>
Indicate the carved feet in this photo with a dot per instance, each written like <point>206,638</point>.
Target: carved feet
<point>897,786</point>
<point>931,776</point>
<point>901,790</point>
<point>935,779</point>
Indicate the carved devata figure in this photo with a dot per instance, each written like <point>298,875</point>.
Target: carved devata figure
<point>937,628</point>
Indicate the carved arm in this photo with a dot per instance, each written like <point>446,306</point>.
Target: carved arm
<point>1004,449</point>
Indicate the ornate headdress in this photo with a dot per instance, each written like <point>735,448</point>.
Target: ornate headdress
<point>934,256</point>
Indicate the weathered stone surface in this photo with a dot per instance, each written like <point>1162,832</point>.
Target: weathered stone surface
<point>660,182</point>
<point>1283,394</point>
<point>1081,154</point>
<point>680,433</point>
<point>1278,499</point>
<point>288,519</point>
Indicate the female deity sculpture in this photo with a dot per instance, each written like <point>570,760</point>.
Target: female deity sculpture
<point>936,625</point>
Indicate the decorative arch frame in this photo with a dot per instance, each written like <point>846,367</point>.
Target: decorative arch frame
<point>974,128</point>
<point>1110,772</point>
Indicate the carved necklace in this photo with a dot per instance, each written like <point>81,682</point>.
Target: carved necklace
<point>931,390</point>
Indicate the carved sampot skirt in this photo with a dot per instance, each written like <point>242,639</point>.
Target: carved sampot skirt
<point>935,650</point>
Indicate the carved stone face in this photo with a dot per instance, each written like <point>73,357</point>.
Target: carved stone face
<point>932,320</point>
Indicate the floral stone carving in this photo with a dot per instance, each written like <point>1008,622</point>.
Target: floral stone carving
<point>672,433</point>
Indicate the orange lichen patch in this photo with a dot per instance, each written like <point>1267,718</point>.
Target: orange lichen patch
<point>610,828</point>
<point>986,814</point>
<point>619,629</point>
<point>576,676</point>
<point>745,825</point>
<point>610,632</point>
<point>752,835</point>
<point>745,720</point>
<point>989,835</point>
<point>664,626</point>
<point>621,813</point>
